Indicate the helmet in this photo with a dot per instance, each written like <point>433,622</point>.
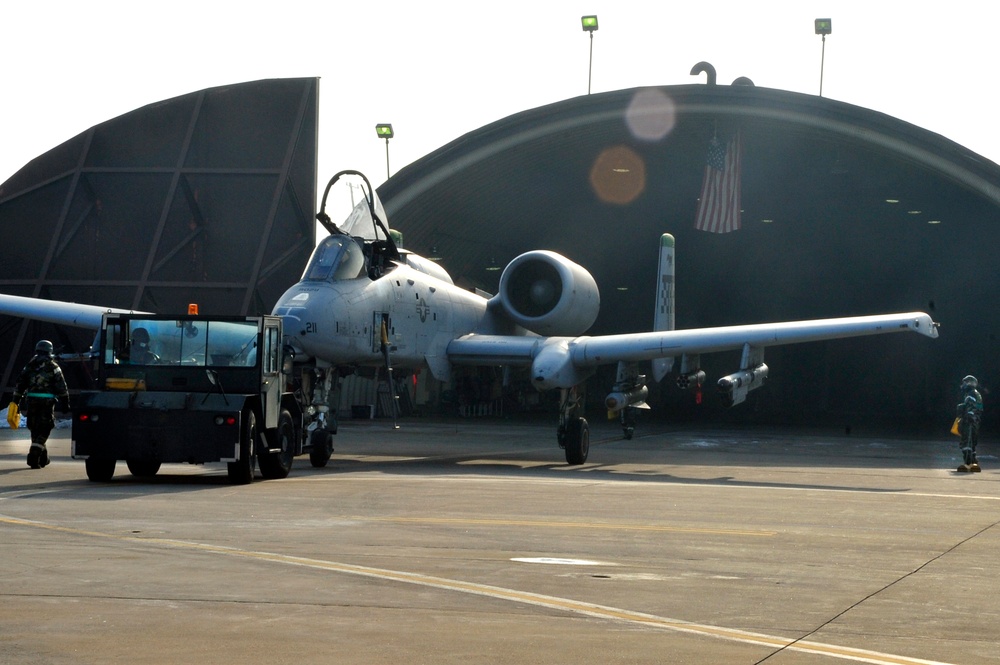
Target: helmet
<point>140,336</point>
<point>970,383</point>
<point>44,348</point>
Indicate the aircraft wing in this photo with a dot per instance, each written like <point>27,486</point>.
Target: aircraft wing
<point>52,311</point>
<point>647,346</point>
<point>563,362</point>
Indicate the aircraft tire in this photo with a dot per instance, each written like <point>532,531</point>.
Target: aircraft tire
<point>577,441</point>
<point>241,471</point>
<point>143,468</point>
<point>100,470</point>
<point>274,466</point>
<point>322,447</point>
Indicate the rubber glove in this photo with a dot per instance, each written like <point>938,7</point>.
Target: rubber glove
<point>13,416</point>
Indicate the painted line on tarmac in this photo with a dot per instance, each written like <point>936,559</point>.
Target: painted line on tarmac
<point>462,521</point>
<point>555,561</point>
<point>500,593</point>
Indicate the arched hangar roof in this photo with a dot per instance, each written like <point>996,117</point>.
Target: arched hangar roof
<point>536,172</point>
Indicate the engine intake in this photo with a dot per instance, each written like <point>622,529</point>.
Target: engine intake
<point>548,294</point>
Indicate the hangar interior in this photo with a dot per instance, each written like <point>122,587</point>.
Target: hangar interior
<point>845,211</point>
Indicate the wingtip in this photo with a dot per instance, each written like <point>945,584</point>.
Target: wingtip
<point>924,324</point>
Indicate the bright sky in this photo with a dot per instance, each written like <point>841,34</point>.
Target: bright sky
<point>439,68</point>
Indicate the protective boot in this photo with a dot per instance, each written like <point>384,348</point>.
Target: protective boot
<point>964,466</point>
<point>38,456</point>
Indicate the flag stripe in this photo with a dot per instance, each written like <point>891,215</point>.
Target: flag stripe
<point>719,207</point>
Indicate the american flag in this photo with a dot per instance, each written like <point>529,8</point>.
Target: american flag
<point>719,205</point>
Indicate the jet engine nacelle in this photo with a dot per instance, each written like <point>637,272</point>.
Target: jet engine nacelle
<point>548,294</point>
<point>734,387</point>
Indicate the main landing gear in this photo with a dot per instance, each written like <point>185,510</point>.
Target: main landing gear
<point>626,417</point>
<point>573,433</point>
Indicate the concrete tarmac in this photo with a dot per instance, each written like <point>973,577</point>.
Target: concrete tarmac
<point>466,541</point>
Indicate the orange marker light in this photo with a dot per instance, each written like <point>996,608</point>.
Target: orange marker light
<point>193,309</point>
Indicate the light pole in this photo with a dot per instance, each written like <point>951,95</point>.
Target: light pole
<point>384,131</point>
<point>824,26</point>
<point>590,25</point>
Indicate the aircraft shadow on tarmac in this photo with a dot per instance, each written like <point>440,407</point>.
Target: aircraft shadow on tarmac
<point>474,465</point>
<point>652,457</point>
<point>125,485</point>
<point>658,455</point>
<point>698,444</point>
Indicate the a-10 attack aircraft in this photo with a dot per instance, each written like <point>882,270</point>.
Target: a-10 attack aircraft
<point>365,302</point>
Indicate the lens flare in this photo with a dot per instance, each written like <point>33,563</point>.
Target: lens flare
<point>651,115</point>
<point>618,175</point>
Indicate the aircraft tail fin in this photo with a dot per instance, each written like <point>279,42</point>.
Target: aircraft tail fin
<point>663,315</point>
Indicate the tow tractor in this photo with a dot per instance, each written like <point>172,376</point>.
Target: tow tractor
<point>189,389</point>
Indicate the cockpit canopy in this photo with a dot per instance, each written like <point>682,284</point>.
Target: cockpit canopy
<point>336,257</point>
<point>360,223</point>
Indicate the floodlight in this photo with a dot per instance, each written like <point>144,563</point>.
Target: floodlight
<point>384,131</point>
<point>824,26</point>
<point>590,26</point>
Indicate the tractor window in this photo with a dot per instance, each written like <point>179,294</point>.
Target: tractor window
<point>113,344</point>
<point>144,343</point>
<point>188,342</point>
<point>231,344</point>
<point>272,345</point>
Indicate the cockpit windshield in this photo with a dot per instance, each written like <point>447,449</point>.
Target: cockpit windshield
<point>336,257</point>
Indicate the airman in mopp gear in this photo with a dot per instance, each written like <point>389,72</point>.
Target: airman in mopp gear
<point>970,414</point>
<point>39,387</point>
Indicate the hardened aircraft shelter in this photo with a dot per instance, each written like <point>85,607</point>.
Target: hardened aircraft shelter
<point>206,198</point>
<point>844,211</point>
